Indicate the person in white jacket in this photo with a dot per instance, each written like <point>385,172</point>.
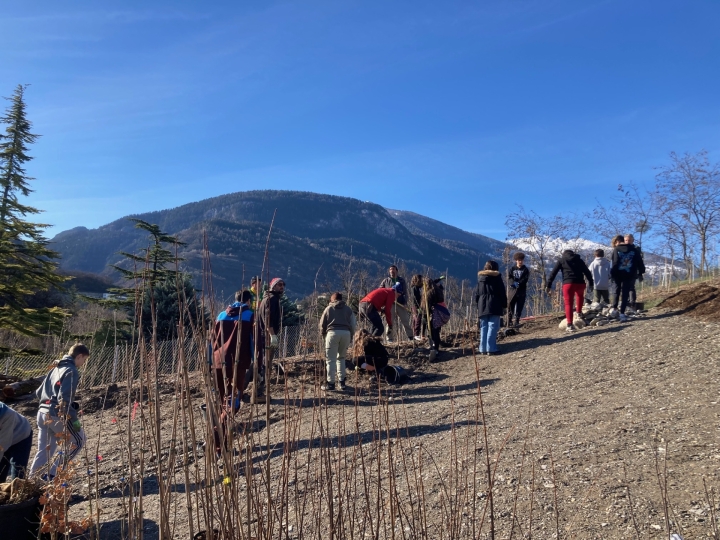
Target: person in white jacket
<point>600,269</point>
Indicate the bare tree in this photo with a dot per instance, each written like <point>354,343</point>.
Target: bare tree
<point>537,233</point>
<point>688,198</point>
<point>632,210</point>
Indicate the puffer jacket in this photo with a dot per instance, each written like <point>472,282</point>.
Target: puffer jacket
<point>574,269</point>
<point>490,294</point>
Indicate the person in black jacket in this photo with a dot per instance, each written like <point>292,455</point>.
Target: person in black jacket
<point>416,288</point>
<point>632,296</point>
<point>269,319</point>
<point>574,271</point>
<point>369,352</point>
<point>627,264</point>
<point>518,277</point>
<point>491,299</point>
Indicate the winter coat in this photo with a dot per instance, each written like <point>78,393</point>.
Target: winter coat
<point>574,269</point>
<point>388,283</point>
<point>627,263</point>
<point>14,428</point>
<point>600,270</point>
<point>337,316</point>
<point>382,300</point>
<point>520,276</point>
<point>236,321</point>
<point>490,294</point>
<point>57,391</point>
<point>270,312</point>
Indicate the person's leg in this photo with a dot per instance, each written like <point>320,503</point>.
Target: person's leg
<point>17,457</point>
<point>614,293</point>
<point>377,324</point>
<point>625,287</point>
<point>520,305</point>
<point>220,383</point>
<point>632,294</point>
<point>331,354</point>
<point>567,299</point>
<point>404,319</point>
<point>483,322</point>
<point>512,306</point>
<point>579,292</point>
<point>596,295</point>
<point>436,338</point>
<point>493,327</point>
<point>46,444</point>
<point>343,343</point>
<point>417,324</point>
<point>604,295</point>
<point>74,442</point>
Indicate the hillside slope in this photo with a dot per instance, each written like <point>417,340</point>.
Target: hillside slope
<point>313,235</point>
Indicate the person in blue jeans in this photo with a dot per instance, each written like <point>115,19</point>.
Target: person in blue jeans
<point>491,300</point>
<point>16,436</point>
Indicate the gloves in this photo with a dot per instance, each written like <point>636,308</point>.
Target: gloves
<point>515,285</point>
<point>77,425</point>
<point>274,341</point>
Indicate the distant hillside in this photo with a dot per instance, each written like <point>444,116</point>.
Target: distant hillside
<point>313,235</point>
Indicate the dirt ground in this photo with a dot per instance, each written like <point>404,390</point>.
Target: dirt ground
<point>701,301</point>
<point>587,427</point>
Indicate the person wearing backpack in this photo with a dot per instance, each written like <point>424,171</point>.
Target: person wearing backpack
<point>627,264</point>
<point>575,272</point>
<point>491,300</point>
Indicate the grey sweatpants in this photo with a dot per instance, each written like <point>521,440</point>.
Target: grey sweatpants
<point>336,346</point>
<point>51,430</point>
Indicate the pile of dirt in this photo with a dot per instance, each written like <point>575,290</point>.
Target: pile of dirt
<point>701,301</point>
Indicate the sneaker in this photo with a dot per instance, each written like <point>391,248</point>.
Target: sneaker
<point>340,386</point>
<point>570,329</point>
<point>623,318</point>
<point>418,338</point>
<point>328,386</point>
<point>494,353</point>
<point>433,355</point>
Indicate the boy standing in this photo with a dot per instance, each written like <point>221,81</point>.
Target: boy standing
<point>58,413</point>
<point>600,269</point>
<point>518,277</point>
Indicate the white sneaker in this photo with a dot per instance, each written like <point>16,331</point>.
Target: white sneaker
<point>418,338</point>
<point>623,318</point>
<point>570,329</point>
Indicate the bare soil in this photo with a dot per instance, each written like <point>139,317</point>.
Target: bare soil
<point>701,301</point>
<point>587,432</point>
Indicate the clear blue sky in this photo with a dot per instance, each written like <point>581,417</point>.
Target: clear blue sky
<point>455,110</point>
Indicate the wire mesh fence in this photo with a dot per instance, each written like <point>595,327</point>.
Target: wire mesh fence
<point>119,363</point>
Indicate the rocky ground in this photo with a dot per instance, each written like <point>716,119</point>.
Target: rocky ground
<point>593,434</point>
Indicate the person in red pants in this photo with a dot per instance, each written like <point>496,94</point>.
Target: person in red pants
<point>575,272</point>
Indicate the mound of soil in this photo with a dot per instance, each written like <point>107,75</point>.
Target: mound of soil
<point>701,301</point>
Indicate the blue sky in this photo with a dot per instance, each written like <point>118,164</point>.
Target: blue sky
<point>455,110</point>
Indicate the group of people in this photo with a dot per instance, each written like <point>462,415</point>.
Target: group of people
<point>246,335</point>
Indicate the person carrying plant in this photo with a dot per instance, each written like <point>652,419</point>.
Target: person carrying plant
<point>491,299</point>
<point>57,416</point>
<point>15,442</point>
<point>518,277</point>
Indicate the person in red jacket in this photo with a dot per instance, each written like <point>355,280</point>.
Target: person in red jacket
<point>376,302</point>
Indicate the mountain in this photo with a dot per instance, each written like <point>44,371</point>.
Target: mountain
<point>313,236</point>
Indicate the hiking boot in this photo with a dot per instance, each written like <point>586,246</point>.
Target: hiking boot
<point>340,386</point>
<point>570,329</point>
<point>327,387</point>
<point>433,355</point>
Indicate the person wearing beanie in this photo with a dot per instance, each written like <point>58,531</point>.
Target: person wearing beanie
<point>15,442</point>
<point>57,416</point>
<point>575,272</point>
<point>269,320</point>
<point>401,310</point>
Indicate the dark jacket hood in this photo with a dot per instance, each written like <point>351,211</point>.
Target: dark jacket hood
<point>569,254</point>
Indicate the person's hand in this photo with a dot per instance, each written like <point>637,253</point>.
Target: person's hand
<point>274,341</point>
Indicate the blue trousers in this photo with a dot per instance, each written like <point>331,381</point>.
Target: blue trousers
<point>489,326</point>
<point>15,459</point>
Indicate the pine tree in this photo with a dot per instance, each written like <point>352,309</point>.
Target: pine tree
<point>157,286</point>
<point>27,265</point>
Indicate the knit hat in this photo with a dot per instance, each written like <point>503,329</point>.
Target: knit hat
<point>274,282</point>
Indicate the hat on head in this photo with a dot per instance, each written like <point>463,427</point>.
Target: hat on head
<point>274,282</point>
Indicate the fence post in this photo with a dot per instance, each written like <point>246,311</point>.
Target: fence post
<point>115,364</point>
<point>285,338</point>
